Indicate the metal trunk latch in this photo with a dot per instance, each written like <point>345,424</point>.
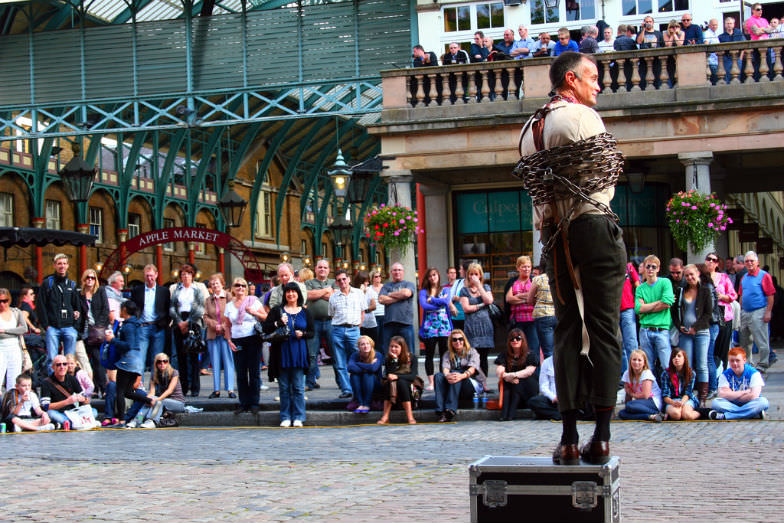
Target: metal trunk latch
<point>495,493</point>
<point>584,495</point>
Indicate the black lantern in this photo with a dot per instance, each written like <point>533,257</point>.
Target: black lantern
<point>340,175</point>
<point>232,207</point>
<point>78,176</point>
<point>361,176</point>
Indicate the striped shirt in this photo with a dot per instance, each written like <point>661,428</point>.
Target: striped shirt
<point>544,299</point>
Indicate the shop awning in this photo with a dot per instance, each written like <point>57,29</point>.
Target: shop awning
<point>24,236</point>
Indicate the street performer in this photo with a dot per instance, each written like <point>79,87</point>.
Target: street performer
<point>570,166</point>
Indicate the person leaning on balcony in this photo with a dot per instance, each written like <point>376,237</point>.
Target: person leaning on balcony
<point>422,58</point>
<point>564,43</point>
<point>455,55</point>
<point>478,52</point>
<point>588,43</point>
<point>522,48</point>
<point>624,42</point>
<point>648,37</point>
<point>674,36</point>
<point>756,26</point>
<point>544,46</point>
<point>503,49</point>
<point>731,34</point>
<point>692,33</point>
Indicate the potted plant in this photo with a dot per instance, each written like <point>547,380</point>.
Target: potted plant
<point>391,226</point>
<point>696,219</point>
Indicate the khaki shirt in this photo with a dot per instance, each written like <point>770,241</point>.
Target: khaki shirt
<point>566,123</point>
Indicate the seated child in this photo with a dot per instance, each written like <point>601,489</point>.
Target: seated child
<point>643,396</point>
<point>740,387</point>
<point>22,409</point>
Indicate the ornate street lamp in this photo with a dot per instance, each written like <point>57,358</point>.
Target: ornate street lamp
<point>361,176</point>
<point>78,176</point>
<point>232,207</point>
<point>340,175</point>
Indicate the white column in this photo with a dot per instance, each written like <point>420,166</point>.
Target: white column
<point>436,226</point>
<point>698,178</point>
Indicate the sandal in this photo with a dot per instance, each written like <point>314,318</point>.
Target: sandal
<point>382,422</point>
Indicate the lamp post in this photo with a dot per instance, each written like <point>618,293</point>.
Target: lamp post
<point>78,179</point>
<point>340,176</point>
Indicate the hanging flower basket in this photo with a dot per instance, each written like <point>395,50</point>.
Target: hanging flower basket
<point>696,219</point>
<point>391,226</point>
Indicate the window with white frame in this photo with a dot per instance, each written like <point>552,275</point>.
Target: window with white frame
<point>200,246</point>
<point>168,223</point>
<point>264,214</point>
<point>636,7</point>
<point>541,14</point>
<point>52,215</point>
<point>667,6</point>
<point>580,10</point>
<point>484,15</point>
<point>134,225</point>
<point>6,209</point>
<point>96,223</point>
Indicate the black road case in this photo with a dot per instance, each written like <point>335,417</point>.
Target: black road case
<point>514,489</point>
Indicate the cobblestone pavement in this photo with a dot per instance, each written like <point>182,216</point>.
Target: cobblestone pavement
<point>699,471</point>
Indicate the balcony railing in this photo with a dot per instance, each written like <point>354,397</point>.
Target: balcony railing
<point>619,72</point>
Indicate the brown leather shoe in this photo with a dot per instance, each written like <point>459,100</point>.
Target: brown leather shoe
<point>566,454</point>
<point>596,452</point>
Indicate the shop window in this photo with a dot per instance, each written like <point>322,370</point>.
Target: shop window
<point>168,223</point>
<point>667,6</point>
<point>636,7</point>
<point>264,214</point>
<point>96,223</point>
<point>134,225</point>
<point>580,10</point>
<point>6,209</point>
<point>541,14</point>
<point>53,215</point>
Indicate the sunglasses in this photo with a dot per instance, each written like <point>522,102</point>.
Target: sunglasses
<point>162,361</point>
<point>455,340</point>
<point>61,364</point>
<point>240,285</point>
<point>517,338</point>
<point>4,301</point>
<point>714,260</point>
<point>89,277</point>
<point>651,266</point>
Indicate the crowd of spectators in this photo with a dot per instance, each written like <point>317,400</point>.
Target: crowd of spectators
<point>677,331</point>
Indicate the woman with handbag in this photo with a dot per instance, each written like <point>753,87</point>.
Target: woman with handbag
<point>721,321</point>
<point>460,378</point>
<point>187,306</point>
<point>12,327</point>
<point>522,306</point>
<point>475,298</point>
<point>129,365</point>
<point>94,320</point>
<point>242,314</point>
<point>217,345</point>
<point>292,360</point>
<point>436,320</point>
<point>517,369</point>
<point>397,379</point>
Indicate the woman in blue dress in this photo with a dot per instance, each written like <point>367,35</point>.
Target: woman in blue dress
<point>293,358</point>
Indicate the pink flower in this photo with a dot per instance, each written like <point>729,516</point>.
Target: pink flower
<point>693,207</point>
<point>402,221</point>
<point>684,204</point>
<point>416,219</point>
<point>710,225</point>
<point>677,221</point>
<point>723,228</point>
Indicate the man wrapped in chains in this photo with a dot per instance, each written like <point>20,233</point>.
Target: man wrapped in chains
<point>570,165</point>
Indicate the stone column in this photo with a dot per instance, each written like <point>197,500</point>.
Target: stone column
<point>399,191</point>
<point>698,178</point>
<point>437,226</point>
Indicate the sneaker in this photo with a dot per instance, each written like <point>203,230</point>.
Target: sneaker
<point>264,387</point>
<point>344,395</point>
<point>131,424</point>
<point>715,415</point>
<point>763,415</point>
<point>148,424</point>
<point>657,418</point>
<point>297,423</point>
<point>45,428</point>
<point>286,423</point>
<point>17,428</point>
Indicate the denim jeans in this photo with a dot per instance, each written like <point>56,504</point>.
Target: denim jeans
<point>221,358</point>
<point>629,333</point>
<point>696,347</point>
<point>713,378</point>
<point>656,344</point>
<point>364,383</point>
<point>66,335</point>
<point>733,410</point>
<point>344,342</point>
<point>531,337</point>
<point>638,409</point>
<point>323,330</point>
<point>109,399</point>
<point>398,329</point>
<point>168,405</point>
<point>292,394</point>
<point>151,341</point>
<point>58,417</point>
<point>544,331</point>
<point>449,394</point>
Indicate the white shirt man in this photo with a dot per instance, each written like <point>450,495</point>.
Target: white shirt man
<point>347,309</point>
<point>607,45</point>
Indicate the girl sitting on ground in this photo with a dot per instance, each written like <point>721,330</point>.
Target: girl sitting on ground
<point>517,368</point>
<point>678,388</point>
<point>643,396</point>
<point>364,368</point>
<point>81,375</point>
<point>398,376</point>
